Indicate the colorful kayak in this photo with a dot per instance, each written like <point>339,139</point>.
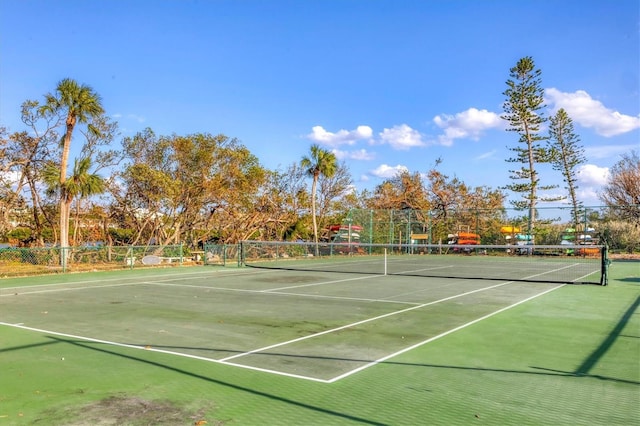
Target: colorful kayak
<point>509,230</point>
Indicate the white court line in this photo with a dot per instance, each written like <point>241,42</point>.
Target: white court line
<point>431,339</point>
<point>100,280</point>
<point>280,293</point>
<point>462,278</point>
<point>420,270</point>
<point>566,267</point>
<point>422,305</point>
<point>320,283</point>
<point>586,275</point>
<point>54,290</point>
<point>151,349</point>
<point>89,284</point>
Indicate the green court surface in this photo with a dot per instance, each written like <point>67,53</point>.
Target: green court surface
<point>250,346</point>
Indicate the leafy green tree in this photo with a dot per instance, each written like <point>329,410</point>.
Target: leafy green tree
<point>319,162</point>
<point>523,111</point>
<point>567,154</point>
<point>78,103</point>
<point>188,188</point>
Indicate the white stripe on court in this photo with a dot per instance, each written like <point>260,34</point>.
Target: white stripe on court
<point>389,314</point>
<point>89,284</point>
<point>120,279</point>
<point>421,270</point>
<point>315,284</point>
<point>52,290</point>
<point>431,339</point>
<point>280,293</point>
<point>151,349</point>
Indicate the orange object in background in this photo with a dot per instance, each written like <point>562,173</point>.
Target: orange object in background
<point>465,238</point>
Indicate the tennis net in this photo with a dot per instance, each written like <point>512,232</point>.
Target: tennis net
<point>536,263</point>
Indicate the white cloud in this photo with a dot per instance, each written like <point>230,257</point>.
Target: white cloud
<point>469,124</point>
<point>361,154</point>
<point>342,137</point>
<point>591,180</point>
<point>589,195</point>
<point>385,171</point>
<point>401,137</point>
<point>592,175</point>
<point>591,113</point>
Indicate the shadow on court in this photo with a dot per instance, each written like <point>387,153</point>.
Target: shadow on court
<point>89,346</point>
<point>593,359</point>
<point>545,372</point>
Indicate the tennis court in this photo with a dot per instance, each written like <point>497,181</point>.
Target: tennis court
<point>295,346</point>
<point>314,325</point>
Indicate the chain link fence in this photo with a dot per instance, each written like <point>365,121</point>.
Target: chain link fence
<point>35,261</point>
<point>616,227</point>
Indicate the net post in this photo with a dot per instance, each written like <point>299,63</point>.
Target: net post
<point>604,265</point>
<point>385,261</point>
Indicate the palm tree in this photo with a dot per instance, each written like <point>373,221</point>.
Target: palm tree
<point>81,105</point>
<point>81,184</point>
<point>320,162</point>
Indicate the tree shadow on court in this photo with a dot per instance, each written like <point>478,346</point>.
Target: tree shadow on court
<point>595,356</point>
<point>89,345</point>
<point>541,371</point>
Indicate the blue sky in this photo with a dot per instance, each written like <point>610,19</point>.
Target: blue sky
<point>386,84</point>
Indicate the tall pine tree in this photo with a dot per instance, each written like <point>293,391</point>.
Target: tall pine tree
<point>567,155</point>
<point>523,110</point>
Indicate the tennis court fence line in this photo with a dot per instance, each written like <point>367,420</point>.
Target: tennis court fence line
<point>52,260</point>
<point>574,264</point>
